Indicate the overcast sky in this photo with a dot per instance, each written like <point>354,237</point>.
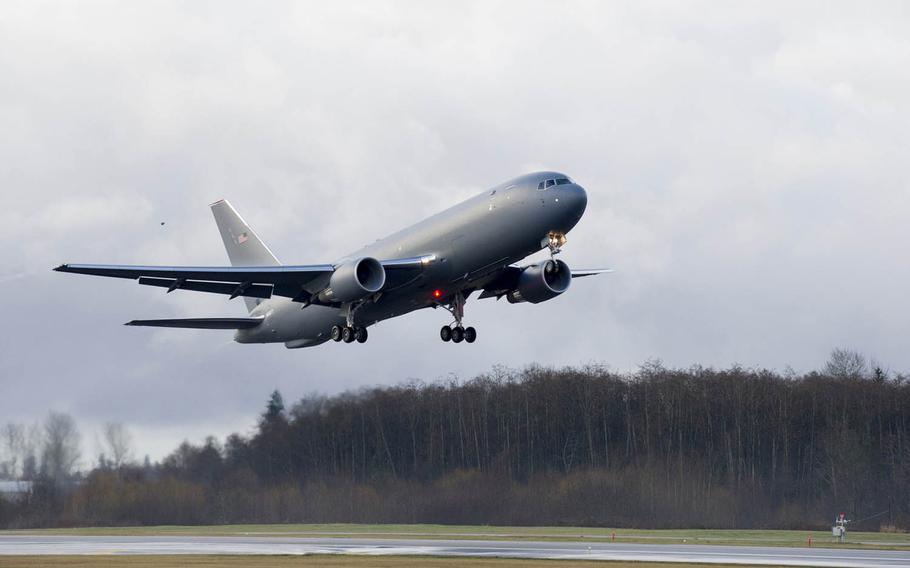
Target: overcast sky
<point>746,167</point>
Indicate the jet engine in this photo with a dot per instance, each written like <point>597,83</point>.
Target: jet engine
<point>354,280</point>
<point>541,282</point>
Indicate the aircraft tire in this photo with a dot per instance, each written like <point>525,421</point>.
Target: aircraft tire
<point>457,335</point>
<point>360,334</point>
<point>470,334</point>
<point>347,334</point>
<point>445,333</point>
<point>336,333</point>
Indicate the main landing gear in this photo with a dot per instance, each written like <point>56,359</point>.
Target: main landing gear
<point>349,334</point>
<point>457,333</point>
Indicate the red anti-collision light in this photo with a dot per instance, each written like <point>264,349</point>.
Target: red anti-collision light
<point>437,293</point>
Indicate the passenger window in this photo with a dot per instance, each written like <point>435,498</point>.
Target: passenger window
<point>550,183</point>
<point>540,185</point>
<point>562,181</point>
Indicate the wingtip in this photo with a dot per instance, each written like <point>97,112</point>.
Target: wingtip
<point>61,268</point>
<point>219,202</point>
<point>131,322</point>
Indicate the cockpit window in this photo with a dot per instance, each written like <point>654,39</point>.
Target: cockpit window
<point>547,183</point>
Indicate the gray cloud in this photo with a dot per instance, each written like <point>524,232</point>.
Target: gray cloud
<point>746,170</point>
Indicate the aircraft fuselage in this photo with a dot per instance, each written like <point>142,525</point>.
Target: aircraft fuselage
<point>470,241</point>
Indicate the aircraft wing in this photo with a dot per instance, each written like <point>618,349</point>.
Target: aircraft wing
<point>581,272</point>
<point>299,282</point>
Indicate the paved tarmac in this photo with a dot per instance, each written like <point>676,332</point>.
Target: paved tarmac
<point>23,544</point>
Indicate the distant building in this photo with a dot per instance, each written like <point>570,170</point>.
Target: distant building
<point>14,490</point>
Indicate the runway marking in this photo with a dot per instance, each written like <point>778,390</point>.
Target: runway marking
<point>14,544</point>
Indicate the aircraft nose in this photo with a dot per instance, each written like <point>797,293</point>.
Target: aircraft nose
<point>578,199</point>
<point>571,201</point>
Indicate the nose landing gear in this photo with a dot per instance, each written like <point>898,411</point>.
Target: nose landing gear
<point>554,241</point>
<point>457,333</point>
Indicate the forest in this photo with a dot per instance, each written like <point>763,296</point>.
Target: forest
<point>655,448</point>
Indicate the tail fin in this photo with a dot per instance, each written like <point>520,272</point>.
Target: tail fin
<point>243,245</point>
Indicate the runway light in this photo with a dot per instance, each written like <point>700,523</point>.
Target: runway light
<point>437,293</point>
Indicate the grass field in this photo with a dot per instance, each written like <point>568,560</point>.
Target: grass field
<point>311,562</point>
<point>898,541</point>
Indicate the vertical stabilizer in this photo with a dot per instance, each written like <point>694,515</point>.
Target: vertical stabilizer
<point>243,245</point>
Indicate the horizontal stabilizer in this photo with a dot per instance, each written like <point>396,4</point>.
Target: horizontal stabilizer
<point>201,323</point>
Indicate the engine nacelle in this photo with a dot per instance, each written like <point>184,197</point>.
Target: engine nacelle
<point>354,280</point>
<point>541,282</point>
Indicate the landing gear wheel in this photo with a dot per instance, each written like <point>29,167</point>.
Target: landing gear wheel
<point>347,334</point>
<point>360,334</point>
<point>337,331</point>
<point>456,332</point>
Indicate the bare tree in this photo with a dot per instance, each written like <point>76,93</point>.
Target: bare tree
<point>846,363</point>
<point>119,441</point>
<point>31,444</point>
<point>61,446</point>
<point>14,446</point>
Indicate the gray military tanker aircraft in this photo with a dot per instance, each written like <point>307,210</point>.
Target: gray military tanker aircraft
<point>438,262</point>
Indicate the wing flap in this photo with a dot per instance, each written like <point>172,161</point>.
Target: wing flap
<point>226,288</point>
<point>200,323</point>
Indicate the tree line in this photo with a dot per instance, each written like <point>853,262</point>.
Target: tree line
<point>660,447</point>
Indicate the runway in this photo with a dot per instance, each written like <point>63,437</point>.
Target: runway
<point>22,544</point>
